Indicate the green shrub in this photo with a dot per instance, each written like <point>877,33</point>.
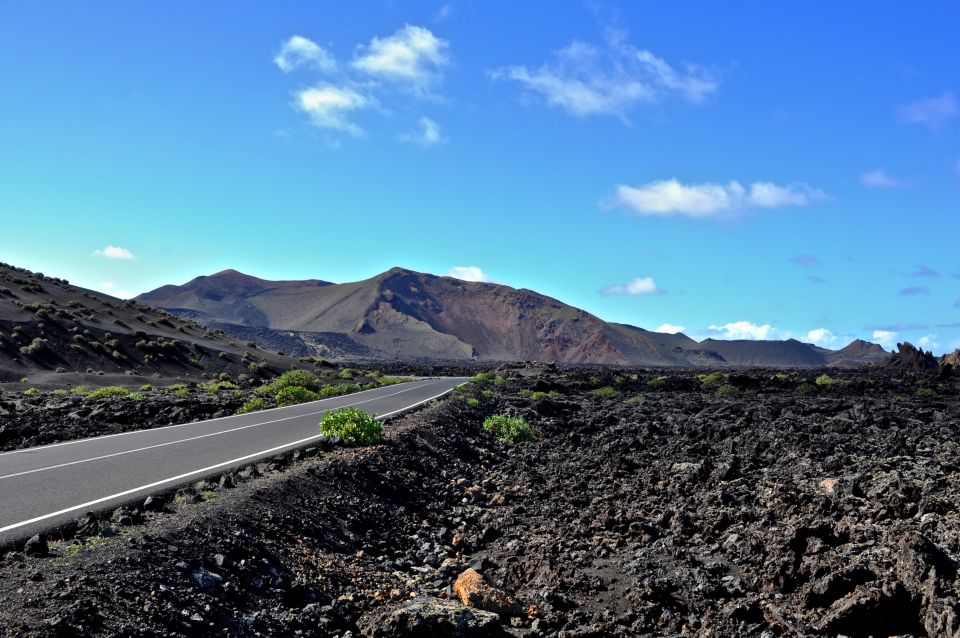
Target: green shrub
<point>109,391</point>
<point>354,426</point>
<point>825,379</point>
<point>346,373</point>
<point>382,381</point>
<point>181,393</point>
<point>254,405</point>
<point>462,388</point>
<point>136,396</point>
<point>473,402</point>
<point>727,390</point>
<point>289,379</point>
<point>637,400</point>
<point>216,386</point>
<point>606,392</point>
<point>925,393</point>
<point>328,391</point>
<point>657,382</point>
<point>537,396</point>
<point>30,392</point>
<point>807,389</point>
<point>499,381</point>
<point>293,395</point>
<point>508,429</point>
<point>146,387</point>
<point>483,378</point>
<point>712,380</point>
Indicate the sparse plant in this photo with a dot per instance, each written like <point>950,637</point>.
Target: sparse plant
<point>807,389</point>
<point>825,380</point>
<point>657,382</point>
<point>108,392</point>
<point>473,402</point>
<point>30,392</point>
<point>482,378</point>
<point>508,429</point>
<point>926,393</point>
<point>636,400</point>
<point>712,380</point>
<point>727,390</point>
<point>254,405</point>
<point>354,426</point>
<point>292,395</point>
<point>606,392</point>
<point>346,373</point>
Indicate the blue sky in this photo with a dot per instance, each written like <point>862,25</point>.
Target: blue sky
<point>751,170</point>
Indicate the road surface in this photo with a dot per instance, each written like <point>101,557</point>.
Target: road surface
<point>43,487</point>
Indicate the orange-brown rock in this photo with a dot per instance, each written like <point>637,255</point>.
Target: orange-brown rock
<point>474,591</point>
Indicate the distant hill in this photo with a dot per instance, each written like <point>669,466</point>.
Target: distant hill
<point>48,326</point>
<point>402,314</point>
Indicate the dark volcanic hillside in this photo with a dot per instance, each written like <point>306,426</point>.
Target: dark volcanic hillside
<point>402,314</point>
<point>48,328</point>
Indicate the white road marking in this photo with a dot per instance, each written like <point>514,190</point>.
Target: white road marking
<point>202,436</point>
<point>183,425</point>
<point>179,477</point>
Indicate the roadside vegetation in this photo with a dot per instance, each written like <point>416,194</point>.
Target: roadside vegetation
<point>353,425</point>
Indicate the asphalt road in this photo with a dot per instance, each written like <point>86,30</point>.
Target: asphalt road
<point>43,487</point>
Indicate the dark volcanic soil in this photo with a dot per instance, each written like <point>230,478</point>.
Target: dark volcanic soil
<point>755,504</point>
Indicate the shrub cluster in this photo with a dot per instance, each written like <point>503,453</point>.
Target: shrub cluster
<point>508,429</point>
<point>354,426</point>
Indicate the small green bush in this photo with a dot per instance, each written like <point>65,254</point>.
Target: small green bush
<point>606,392</point>
<point>499,381</point>
<point>254,405</point>
<point>30,392</point>
<point>712,380</point>
<point>346,373</point>
<point>508,429</point>
<point>394,380</point>
<point>291,378</point>
<point>825,379</point>
<point>657,382</point>
<point>473,402</point>
<point>727,390</point>
<point>354,426</point>
<point>109,391</point>
<point>483,378</point>
<point>925,393</point>
<point>293,395</point>
<point>537,396</point>
<point>807,389</point>
<point>328,391</point>
<point>637,400</point>
<point>146,387</point>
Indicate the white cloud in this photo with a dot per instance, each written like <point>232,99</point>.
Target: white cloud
<point>742,330</point>
<point>412,55</point>
<point>428,133</point>
<point>328,106</point>
<point>637,286</point>
<point>468,273</point>
<point>708,199</point>
<point>114,252</point>
<point>586,80</point>
<point>822,337</point>
<point>932,112</point>
<point>669,328</point>
<point>928,342</point>
<point>300,51</point>
<point>880,179</point>
<point>108,285</point>
<point>886,338</point>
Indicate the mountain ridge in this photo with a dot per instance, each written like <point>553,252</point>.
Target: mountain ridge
<point>404,314</point>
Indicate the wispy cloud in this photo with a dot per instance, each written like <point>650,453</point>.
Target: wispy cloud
<point>928,342</point>
<point>637,286</point>
<point>880,179</point>
<point>329,106</point>
<point>956,304</point>
<point>382,74</point>
<point>913,291</point>
<point>805,260</point>
<point>886,338</point>
<point>924,272</point>
<point>742,330</point>
<point>932,112</point>
<point>300,51</point>
<point>114,252</point>
<point>669,328</point>
<point>413,56</point>
<point>902,326</point>
<point>813,279</point>
<point>468,273</point>
<point>583,79</point>
<point>822,337</point>
<point>667,198</point>
<point>427,133</point>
